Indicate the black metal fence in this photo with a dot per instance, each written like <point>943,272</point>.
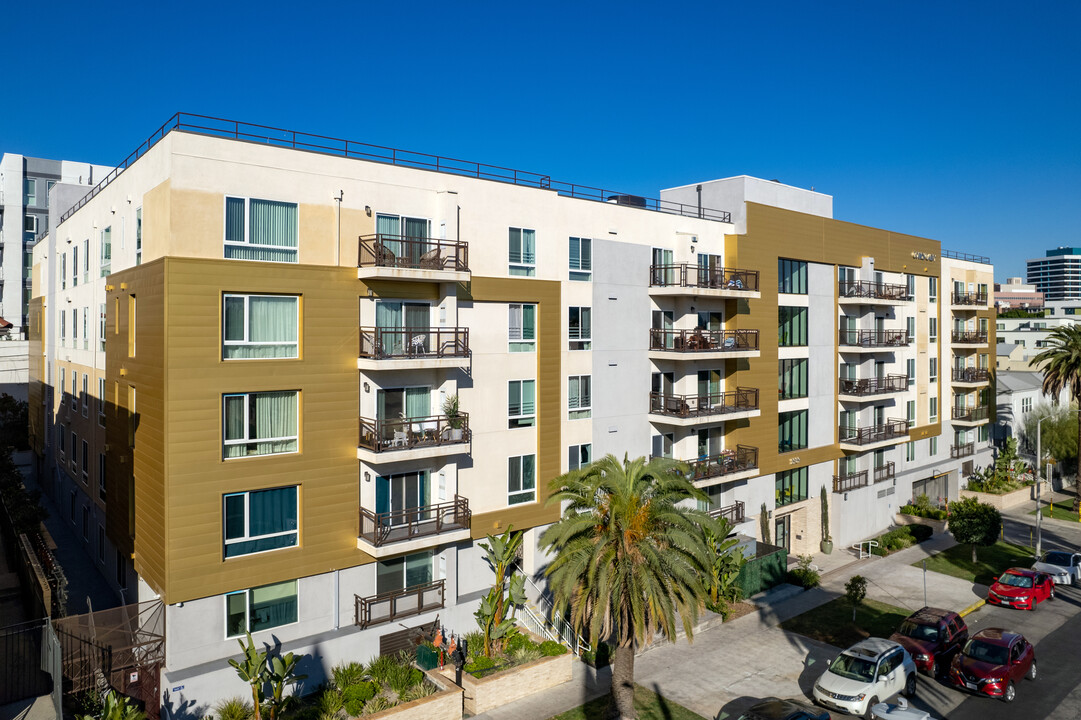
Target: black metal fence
<point>30,662</point>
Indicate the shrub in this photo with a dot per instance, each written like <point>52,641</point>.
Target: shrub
<point>900,538</point>
<point>234,708</point>
<point>551,648</point>
<point>479,664</point>
<point>347,674</point>
<point>356,695</point>
<point>404,677</point>
<point>526,654</point>
<point>329,702</point>
<point>599,656</point>
<point>518,642</point>
<point>804,575</point>
<point>380,668</point>
<point>377,704</point>
<point>417,692</point>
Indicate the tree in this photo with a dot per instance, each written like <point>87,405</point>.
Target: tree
<point>628,557</point>
<point>725,561</point>
<point>14,422</point>
<point>763,522</point>
<point>1058,433</point>
<point>281,672</point>
<point>974,523</point>
<point>856,591</point>
<point>1061,362</point>
<point>507,590</point>
<point>252,670</point>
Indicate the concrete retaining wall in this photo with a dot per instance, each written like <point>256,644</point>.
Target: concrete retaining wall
<point>1010,499</point>
<point>484,694</point>
<point>939,526</point>
<point>444,705</point>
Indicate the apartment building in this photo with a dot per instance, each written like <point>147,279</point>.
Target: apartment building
<point>291,381</point>
<point>1057,275</point>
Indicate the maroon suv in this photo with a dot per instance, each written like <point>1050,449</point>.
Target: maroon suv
<point>932,637</point>
<point>992,661</point>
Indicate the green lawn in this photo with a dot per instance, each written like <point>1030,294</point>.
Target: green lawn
<point>1063,511</point>
<point>991,561</point>
<point>832,623</point>
<point>650,706</point>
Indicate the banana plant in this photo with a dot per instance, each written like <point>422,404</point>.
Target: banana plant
<point>252,670</point>
<point>507,590</point>
<point>281,673</point>
<point>116,707</point>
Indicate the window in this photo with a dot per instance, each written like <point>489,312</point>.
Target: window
<point>579,401</point>
<point>790,486</point>
<point>403,572</point>
<point>932,288</point>
<point>1026,405</point>
<point>86,328</point>
<point>101,544</point>
<point>260,608</point>
<point>910,329</point>
<point>792,326</point>
<point>106,251</point>
<point>101,327</point>
<point>581,262</point>
<point>910,370</point>
<point>262,423</point>
<point>30,191</point>
<point>63,382</point>
<point>521,479</point>
<point>75,266</point>
<point>982,433</point>
<point>260,230</point>
<point>74,327</point>
<point>63,329</point>
<point>792,431</point>
<point>522,328</point>
<point>523,252</point>
<point>521,403</point>
<point>131,325</point>
<point>400,492</point>
<point>63,272</point>
<point>791,276</point>
<point>910,287</point>
<point>260,326</point>
<point>74,452</point>
<point>910,451</point>
<point>138,236</point>
<point>30,224</point>
<point>260,520</point>
<point>932,329</point>
<point>86,395</point>
<point>86,260</point>
<point>580,328</point>
<point>71,507</point>
<point>932,364</point>
<point>932,408</point>
<point>578,456</point>
<point>121,570</point>
<point>86,462</point>
<point>74,391</point>
<point>101,476</point>
<point>932,445</point>
<point>792,379</point>
<point>910,413</point>
<point>61,434</point>
<point>101,402</point>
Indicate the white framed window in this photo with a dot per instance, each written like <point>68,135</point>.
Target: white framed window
<point>61,434</point>
<point>932,329</point>
<point>260,326</point>
<point>74,391</point>
<point>910,451</point>
<point>64,271</point>
<point>74,327</point>
<point>101,327</point>
<point>522,328</point>
<point>932,409</point>
<point>75,266</point>
<point>101,402</point>
<point>910,369</point>
<point>521,403</point>
<point>30,223</point>
<point>403,572</point>
<point>578,456</point>
<point>86,260</point>
<point>63,332</point>
<point>910,287</point>
<point>910,329</point>
<point>106,251</point>
<point>263,423</point>
<point>580,328</point>
<point>86,395</point>
<point>86,463</point>
<point>910,413</point>
<point>521,479</point>
<point>138,236</point>
<point>932,365</point>
<point>932,445</point>
<point>30,191</point>
<point>259,521</point>
<point>86,328</point>
<point>579,397</point>
<point>522,252</point>
<point>932,288</point>
<point>1026,405</point>
<point>63,385</point>
<point>265,230</point>
<point>74,452</point>
<point>261,608</point>
<point>581,259</point>
<point>101,476</point>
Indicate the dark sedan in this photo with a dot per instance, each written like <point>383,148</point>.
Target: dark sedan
<point>777,709</point>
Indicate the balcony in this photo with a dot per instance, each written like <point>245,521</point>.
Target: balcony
<point>402,257</point>
<point>971,376</point>
<point>862,438</point>
<point>412,438</point>
<point>396,604</point>
<point>872,388</point>
<point>732,513</point>
<point>686,410</point>
<point>402,531</point>
<point>851,481</point>
<point>702,344</point>
<point>969,300</point>
<point>860,292</point>
<point>732,464</point>
<point>968,337</point>
<point>871,340</point>
<point>970,414</point>
<point>413,348</point>
<point>690,279</point>
<point>884,472</point>
<point>962,451</point>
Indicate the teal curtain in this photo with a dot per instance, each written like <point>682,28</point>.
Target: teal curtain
<point>270,512</point>
<point>234,220</point>
<point>382,494</point>
<point>388,316</point>
<point>390,230</point>
<point>416,230</point>
<point>234,516</point>
<point>529,322</point>
<point>418,402</point>
<point>417,319</point>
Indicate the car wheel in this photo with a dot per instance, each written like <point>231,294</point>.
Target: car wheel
<point>933,670</point>
<point>1010,693</point>
<point>1052,595</point>
<point>910,685</point>
<point>1031,674</point>
<point>867,714</point>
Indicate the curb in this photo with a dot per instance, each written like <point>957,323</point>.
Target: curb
<point>972,608</point>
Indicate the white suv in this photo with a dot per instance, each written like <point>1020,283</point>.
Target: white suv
<point>867,672</point>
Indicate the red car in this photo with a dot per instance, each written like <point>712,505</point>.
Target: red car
<point>992,661</point>
<point>1021,588</point>
<point>932,636</point>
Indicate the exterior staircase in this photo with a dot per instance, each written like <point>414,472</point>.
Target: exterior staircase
<point>538,616</point>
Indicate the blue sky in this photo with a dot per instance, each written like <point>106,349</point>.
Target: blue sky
<point>955,121</point>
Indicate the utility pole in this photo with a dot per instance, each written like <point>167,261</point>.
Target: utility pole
<point>1039,508</point>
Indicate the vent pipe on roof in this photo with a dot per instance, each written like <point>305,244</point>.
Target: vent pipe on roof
<point>699,190</point>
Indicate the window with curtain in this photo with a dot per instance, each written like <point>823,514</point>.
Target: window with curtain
<point>580,328</point>
<point>30,191</point>
<point>661,445</point>
<point>791,276</point>
<point>581,259</point>
<point>75,266</point>
<point>521,479</point>
<point>521,403</point>
<point>63,271</point>
<point>792,430</point>
<point>138,236</point>
<point>101,327</point>
<point>523,252</point>
<point>579,400</point>
<point>522,328</point>
<point>403,572</point>
<point>910,451</point>
<point>578,456</point>
<point>401,492</point>
<point>260,520</point>
<point>261,608</point>
<point>260,326</point>
<point>792,379</point>
<point>932,288</point>
<point>260,230</point>
<point>106,251</point>
<point>932,409</point>
<point>404,327</point>
<point>791,486</point>
<point>263,423</point>
<point>910,413</point>
<point>405,238</point>
<point>791,326</point>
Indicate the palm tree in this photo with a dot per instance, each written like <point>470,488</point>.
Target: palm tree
<point>1062,355</point>
<point>628,557</point>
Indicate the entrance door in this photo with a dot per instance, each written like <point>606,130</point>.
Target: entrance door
<point>405,327</point>
<point>662,323</point>
<point>782,530</point>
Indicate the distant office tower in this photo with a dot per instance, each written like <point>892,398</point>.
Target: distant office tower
<point>1057,276</point>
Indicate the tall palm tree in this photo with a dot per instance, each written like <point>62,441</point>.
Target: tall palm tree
<point>1062,355</point>
<point>629,557</point>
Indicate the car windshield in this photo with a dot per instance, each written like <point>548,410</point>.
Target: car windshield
<point>918,632</point>
<point>853,668</point>
<point>1015,580</point>
<point>1056,558</point>
<point>986,652</point>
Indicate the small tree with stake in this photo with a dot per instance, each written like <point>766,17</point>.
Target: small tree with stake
<point>855,592</point>
<point>975,523</point>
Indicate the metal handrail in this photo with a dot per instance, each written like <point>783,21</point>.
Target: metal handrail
<point>700,340</point>
<point>892,428</point>
<point>851,481</point>
<point>871,290</point>
<point>971,412</point>
<point>966,256</point>
<point>408,433</point>
<point>869,543</point>
<point>734,513</point>
<point>969,336</point>
<point>563,630</point>
<point>971,375</point>
<point>874,338</point>
<point>964,450</point>
<point>744,457</point>
<point>279,137</point>
<point>884,472</point>
<point>394,526</point>
<point>414,342</point>
<point>696,276</point>
<point>535,624</point>
<point>872,386</point>
<point>969,298</point>
<point>738,400</point>
<point>362,606</point>
<point>413,253</point>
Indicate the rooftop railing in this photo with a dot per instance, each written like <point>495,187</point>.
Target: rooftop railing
<point>703,340</point>
<point>707,278</point>
<point>966,256</point>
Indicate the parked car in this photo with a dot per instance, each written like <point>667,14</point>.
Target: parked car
<point>932,636</point>
<point>992,661</point>
<point>1021,588</point>
<point>898,711</point>
<point>870,670</point>
<point>1063,567</point>
<point>777,709</point>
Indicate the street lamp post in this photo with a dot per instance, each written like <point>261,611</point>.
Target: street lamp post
<point>1039,462</point>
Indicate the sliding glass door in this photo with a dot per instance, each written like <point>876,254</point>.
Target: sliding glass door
<point>405,327</point>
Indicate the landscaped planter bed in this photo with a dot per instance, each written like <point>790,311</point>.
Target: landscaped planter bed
<point>1005,501</point>
<point>444,705</point>
<point>483,694</point>
<point>939,526</point>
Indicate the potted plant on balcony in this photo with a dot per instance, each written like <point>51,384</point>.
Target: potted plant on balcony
<point>454,417</point>
<point>827,542</point>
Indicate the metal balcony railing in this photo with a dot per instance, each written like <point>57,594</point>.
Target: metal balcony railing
<point>852,481</point>
<point>971,375</point>
<point>960,451</point>
<point>410,433</point>
<point>974,337</point>
<point>414,342</point>
<point>873,433</point>
<point>872,386</point>
<point>884,472</point>
<point>396,604</point>
<point>709,278</point>
<point>726,462</point>
<point>413,253</point>
<point>699,340</point>
<point>738,400</point>
<point>732,513</point>
<point>872,290</point>
<point>969,298</point>
<point>971,413</point>
<point>873,338</point>
<point>966,256</point>
<point>390,527</point>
